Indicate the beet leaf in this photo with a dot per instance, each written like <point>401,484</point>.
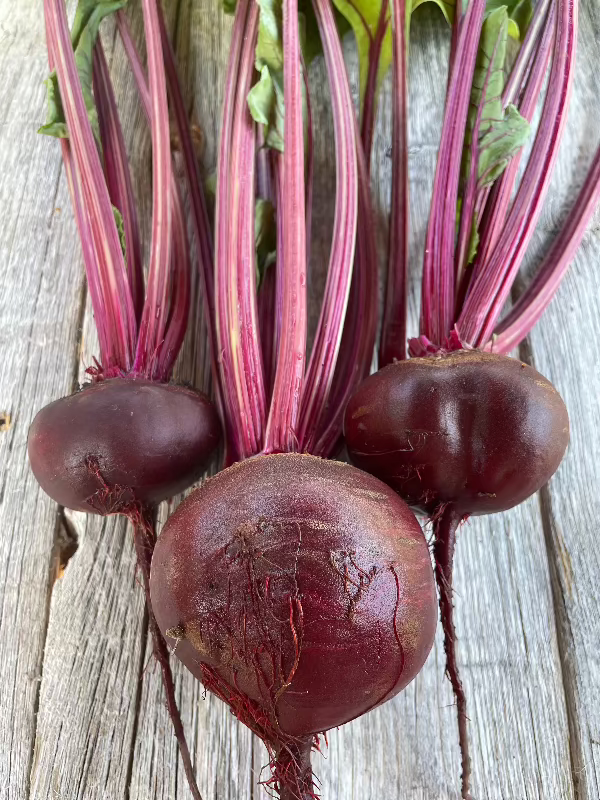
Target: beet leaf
<point>265,98</point>
<point>86,26</point>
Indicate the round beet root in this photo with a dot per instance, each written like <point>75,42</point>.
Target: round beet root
<point>122,441</point>
<point>299,590</point>
<point>477,430</point>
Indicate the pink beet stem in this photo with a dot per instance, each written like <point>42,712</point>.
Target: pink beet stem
<point>180,273</point>
<point>179,288</point>
<point>538,295</point>
<point>200,218</point>
<point>319,377</point>
<point>358,341</point>
<point>289,377</point>
<point>90,258</point>
<point>309,159</point>
<point>118,177</point>
<point>277,164</point>
<point>393,333</point>
<point>154,316</point>
<point>240,432</point>
<point>527,53</point>
<point>369,110</point>
<point>242,314</point>
<point>469,201</point>
<point>437,315</point>
<point>265,189</point>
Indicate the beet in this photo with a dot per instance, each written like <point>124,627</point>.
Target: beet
<point>478,430</point>
<point>122,441</point>
<point>301,592</point>
<point>459,433</point>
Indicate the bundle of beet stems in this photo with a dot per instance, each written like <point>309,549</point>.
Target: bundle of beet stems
<point>298,589</point>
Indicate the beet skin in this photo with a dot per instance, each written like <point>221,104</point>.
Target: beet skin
<point>298,590</point>
<point>122,441</point>
<point>477,430</point>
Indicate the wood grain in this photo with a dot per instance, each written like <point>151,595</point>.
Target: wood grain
<point>565,349</point>
<point>40,308</point>
<point>526,581</point>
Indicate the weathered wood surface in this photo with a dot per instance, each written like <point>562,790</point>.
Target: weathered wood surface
<point>81,706</point>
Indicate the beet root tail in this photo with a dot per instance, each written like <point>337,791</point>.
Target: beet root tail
<point>445,527</point>
<point>145,539</point>
<point>292,773</point>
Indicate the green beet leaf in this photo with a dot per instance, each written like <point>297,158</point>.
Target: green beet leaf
<point>86,26</point>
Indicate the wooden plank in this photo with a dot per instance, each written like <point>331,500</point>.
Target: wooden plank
<point>40,301</point>
<point>565,350</point>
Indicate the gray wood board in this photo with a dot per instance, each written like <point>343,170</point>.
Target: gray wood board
<point>564,347</point>
<point>41,295</point>
<point>526,581</point>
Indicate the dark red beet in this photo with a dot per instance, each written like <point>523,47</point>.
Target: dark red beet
<point>298,590</point>
<point>122,441</point>
<point>481,431</point>
<point>457,434</point>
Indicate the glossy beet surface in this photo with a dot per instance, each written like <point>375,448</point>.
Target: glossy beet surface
<point>479,430</point>
<point>300,590</point>
<point>120,441</point>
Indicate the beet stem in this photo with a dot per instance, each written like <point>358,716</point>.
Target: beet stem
<point>277,165</point>
<point>291,358</point>
<point>321,368</point>
<point>527,54</point>
<point>118,177</point>
<point>393,331</point>
<point>239,436</point>
<point>456,24</point>
<point>445,527</point>
<point>538,295</point>
<point>200,218</point>
<point>243,329</point>
<point>181,268</point>
<point>470,191</point>
<point>438,287</point>
<point>145,539</point>
<point>358,340</point>
<point>309,158</point>
<point>154,315</point>
<point>369,110</point>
